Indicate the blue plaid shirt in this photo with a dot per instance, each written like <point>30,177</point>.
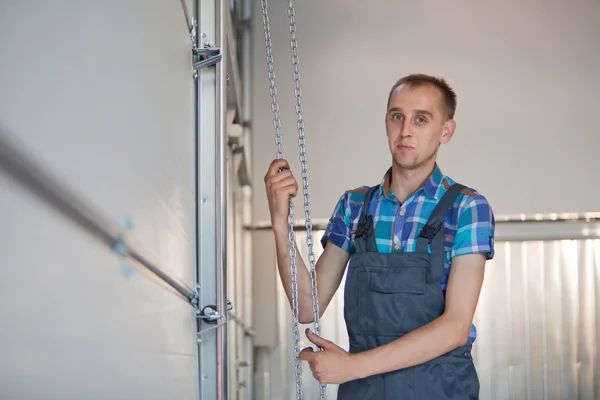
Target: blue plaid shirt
<point>468,227</point>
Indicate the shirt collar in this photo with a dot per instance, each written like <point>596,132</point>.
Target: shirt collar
<point>432,186</point>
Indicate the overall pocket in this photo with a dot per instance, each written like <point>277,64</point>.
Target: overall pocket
<point>391,300</point>
<point>449,381</point>
<point>466,377</point>
<point>450,377</point>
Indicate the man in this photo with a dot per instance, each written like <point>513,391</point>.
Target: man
<point>417,245</point>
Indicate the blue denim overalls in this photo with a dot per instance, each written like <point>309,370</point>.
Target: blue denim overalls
<point>389,295</point>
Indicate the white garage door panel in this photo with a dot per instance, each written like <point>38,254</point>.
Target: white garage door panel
<point>101,94</point>
<point>74,325</point>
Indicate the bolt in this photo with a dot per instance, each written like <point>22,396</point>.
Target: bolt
<point>127,223</point>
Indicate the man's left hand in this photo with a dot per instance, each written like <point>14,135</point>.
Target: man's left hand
<point>330,365</point>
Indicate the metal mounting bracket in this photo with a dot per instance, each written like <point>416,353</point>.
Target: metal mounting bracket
<point>203,331</point>
<point>194,32</point>
<point>209,313</point>
<point>211,316</point>
<point>208,56</point>
<point>195,300</point>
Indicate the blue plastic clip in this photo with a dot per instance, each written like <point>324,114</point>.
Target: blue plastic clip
<point>120,247</point>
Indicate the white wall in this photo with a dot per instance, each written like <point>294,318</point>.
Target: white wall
<point>526,74</point>
<point>101,93</point>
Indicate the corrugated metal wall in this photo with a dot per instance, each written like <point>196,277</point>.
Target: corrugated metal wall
<point>537,323</point>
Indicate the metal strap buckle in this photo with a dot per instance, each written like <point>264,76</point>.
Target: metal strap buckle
<point>428,232</point>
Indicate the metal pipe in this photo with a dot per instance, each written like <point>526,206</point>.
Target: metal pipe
<point>221,200</point>
<point>246,61</point>
<point>232,44</point>
<point>530,230</point>
<point>186,14</point>
<point>26,171</point>
<point>197,104</point>
<point>547,230</point>
<point>247,330</point>
<point>553,218</point>
<point>245,57</point>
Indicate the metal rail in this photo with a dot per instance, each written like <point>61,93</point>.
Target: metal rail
<point>247,330</point>
<point>16,162</point>
<point>518,228</point>
<point>221,196</point>
<point>549,218</point>
<point>320,225</point>
<point>186,14</point>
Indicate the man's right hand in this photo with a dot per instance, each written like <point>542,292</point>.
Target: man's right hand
<point>281,187</point>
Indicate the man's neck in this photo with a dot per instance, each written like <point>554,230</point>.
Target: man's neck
<point>407,181</point>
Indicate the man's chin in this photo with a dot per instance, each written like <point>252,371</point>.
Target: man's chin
<point>407,164</point>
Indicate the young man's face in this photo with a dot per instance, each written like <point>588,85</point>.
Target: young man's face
<point>416,125</point>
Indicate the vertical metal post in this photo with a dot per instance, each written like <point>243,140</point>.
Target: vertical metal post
<point>221,203</point>
<point>196,39</point>
<point>245,57</point>
<point>212,200</point>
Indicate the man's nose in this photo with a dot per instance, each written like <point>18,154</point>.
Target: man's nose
<point>405,130</point>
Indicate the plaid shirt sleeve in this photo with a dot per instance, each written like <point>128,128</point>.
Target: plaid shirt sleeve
<point>475,230</point>
<point>338,229</point>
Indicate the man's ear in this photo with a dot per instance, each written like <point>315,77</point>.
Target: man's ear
<point>385,122</point>
<point>448,132</point>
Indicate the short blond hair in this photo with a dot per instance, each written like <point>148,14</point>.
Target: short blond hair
<point>416,80</point>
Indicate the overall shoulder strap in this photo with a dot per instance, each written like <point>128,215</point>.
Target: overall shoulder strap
<point>436,220</point>
<point>365,232</point>
<point>364,219</point>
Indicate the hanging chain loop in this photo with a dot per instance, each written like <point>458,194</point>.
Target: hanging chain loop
<point>291,217</point>
<point>304,173</point>
<point>304,168</point>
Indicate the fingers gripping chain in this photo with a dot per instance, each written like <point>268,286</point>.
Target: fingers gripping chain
<point>304,168</point>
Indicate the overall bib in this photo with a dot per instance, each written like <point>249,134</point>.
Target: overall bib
<point>389,295</point>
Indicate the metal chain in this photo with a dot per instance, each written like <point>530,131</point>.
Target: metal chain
<point>304,168</point>
<point>291,217</point>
